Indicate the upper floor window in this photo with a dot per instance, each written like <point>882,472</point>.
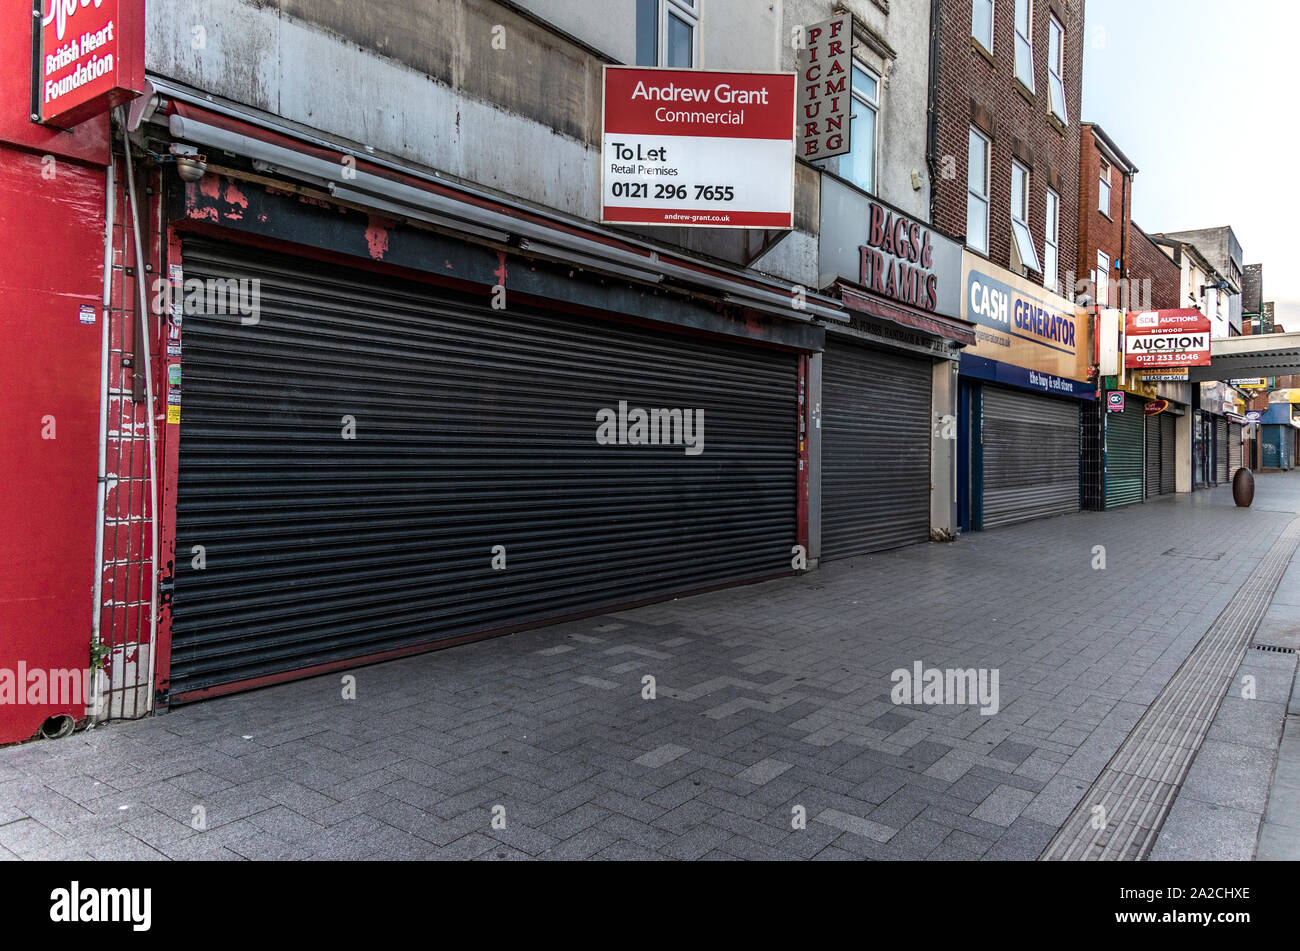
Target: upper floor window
<point>1025,42</point>
<point>1024,240</point>
<point>1056,68</point>
<point>981,23</point>
<point>667,33</point>
<point>1103,279</point>
<point>1103,190</point>
<point>859,165</point>
<point>977,192</point>
<point>1052,242</point>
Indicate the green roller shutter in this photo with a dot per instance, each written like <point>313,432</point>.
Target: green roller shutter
<point>1124,438</point>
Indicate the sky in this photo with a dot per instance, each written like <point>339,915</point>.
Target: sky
<point>1199,94</point>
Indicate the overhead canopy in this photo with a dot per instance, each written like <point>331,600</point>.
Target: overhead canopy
<point>1236,358</point>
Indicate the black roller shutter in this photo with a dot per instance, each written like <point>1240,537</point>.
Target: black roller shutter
<point>1220,450</point>
<point>1153,456</point>
<point>473,428</point>
<point>1234,448</point>
<point>1124,469</point>
<point>1031,456</point>
<point>1168,454</point>
<point>875,450</point>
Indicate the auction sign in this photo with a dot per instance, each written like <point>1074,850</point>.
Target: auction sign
<point>1166,338</point>
<point>87,57</point>
<point>697,148</point>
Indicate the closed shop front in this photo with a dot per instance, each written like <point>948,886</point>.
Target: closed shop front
<point>1124,447</point>
<point>1168,453</point>
<point>1030,456</point>
<point>1022,389</point>
<point>875,449</point>
<point>1220,449</point>
<point>1153,458</point>
<point>1234,448</point>
<point>373,466</point>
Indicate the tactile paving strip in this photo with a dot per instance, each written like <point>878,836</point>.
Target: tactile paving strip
<point>1136,789</point>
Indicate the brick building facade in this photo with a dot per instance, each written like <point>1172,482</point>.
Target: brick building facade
<point>977,88</point>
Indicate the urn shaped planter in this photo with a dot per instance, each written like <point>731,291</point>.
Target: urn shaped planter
<point>1243,487</point>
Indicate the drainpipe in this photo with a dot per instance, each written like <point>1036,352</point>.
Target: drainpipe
<point>932,108</point>
<point>101,495</point>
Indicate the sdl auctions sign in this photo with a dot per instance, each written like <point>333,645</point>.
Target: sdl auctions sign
<point>87,57</point>
<point>698,148</point>
<point>1166,338</point>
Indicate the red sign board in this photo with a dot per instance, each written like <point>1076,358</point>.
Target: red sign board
<point>1155,407</point>
<point>698,148</point>
<point>88,56</point>
<point>1166,338</point>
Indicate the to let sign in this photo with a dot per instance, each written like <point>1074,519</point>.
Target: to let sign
<point>698,148</point>
<point>88,56</point>
<point>1166,338</point>
<point>825,103</point>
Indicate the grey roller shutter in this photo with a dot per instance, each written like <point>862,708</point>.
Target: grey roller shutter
<point>875,450</point>
<point>1220,450</point>
<point>1031,456</point>
<point>1234,448</point>
<point>474,428</point>
<point>1168,454</point>
<point>1153,456</point>
<point>1124,467</point>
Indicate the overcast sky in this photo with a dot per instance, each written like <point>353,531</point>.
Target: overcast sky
<point>1200,95</point>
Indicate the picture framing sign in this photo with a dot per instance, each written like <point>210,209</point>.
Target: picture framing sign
<point>87,57</point>
<point>825,63</point>
<point>1166,338</point>
<point>697,148</point>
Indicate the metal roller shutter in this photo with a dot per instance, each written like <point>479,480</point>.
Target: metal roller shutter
<point>1234,448</point>
<point>1031,456</point>
<point>1168,454</point>
<point>1153,456</point>
<point>1124,469</point>
<point>875,450</point>
<point>1220,450</point>
<point>473,428</point>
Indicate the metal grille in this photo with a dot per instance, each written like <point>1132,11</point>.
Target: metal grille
<point>1031,456</point>
<point>1234,448</point>
<point>474,428</point>
<point>1220,450</point>
<point>1168,454</point>
<point>1153,456</point>
<point>875,450</point>
<point>1124,466</point>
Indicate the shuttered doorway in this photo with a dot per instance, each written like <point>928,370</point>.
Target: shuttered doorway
<point>1220,450</point>
<point>1234,448</point>
<point>1031,456</point>
<point>472,495</point>
<point>875,450</point>
<point>1168,454</point>
<point>1154,457</point>
<point>1124,463</point>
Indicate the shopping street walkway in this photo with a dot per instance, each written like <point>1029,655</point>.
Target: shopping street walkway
<point>771,703</point>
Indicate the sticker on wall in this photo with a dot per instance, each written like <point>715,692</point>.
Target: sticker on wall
<point>86,314</point>
<point>173,348</point>
<point>174,375</point>
<point>177,275</point>
<point>173,414</point>
<point>173,397</point>
<point>1115,401</point>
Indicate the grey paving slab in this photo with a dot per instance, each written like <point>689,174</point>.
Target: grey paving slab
<point>772,698</point>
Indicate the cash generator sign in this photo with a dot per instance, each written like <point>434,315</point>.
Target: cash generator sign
<point>88,56</point>
<point>1003,307</point>
<point>697,148</point>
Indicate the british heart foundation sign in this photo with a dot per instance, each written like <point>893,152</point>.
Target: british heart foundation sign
<point>88,56</point>
<point>695,148</point>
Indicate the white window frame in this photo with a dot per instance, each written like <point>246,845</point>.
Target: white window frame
<point>1103,189</point>
<point>991,5</point>
<point>981,197</point>
<point>1026,40</point>
<point>1052,243</point>
<point>1102,279</point>
<point>1022,238</point>
<point>857,100</point>
<point>688,11</point>
<point>1056,69</point>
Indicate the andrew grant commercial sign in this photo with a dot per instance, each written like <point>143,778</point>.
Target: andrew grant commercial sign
<point>698,148</point>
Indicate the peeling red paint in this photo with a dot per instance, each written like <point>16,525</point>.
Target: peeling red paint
<point>377,237</point>
<point>500,272</point>
<point>210,185</point>
<point>200,214</point>
<point>235,196</point>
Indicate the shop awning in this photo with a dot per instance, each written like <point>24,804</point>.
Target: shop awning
<point>950,328</point>
<point>1237,358</point>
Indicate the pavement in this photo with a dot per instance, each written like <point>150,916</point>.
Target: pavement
<point>751,723</point>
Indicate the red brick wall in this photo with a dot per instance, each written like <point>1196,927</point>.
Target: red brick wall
<point>1146,261</point>
<point>968,84</point>
<point>1098,231</point>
